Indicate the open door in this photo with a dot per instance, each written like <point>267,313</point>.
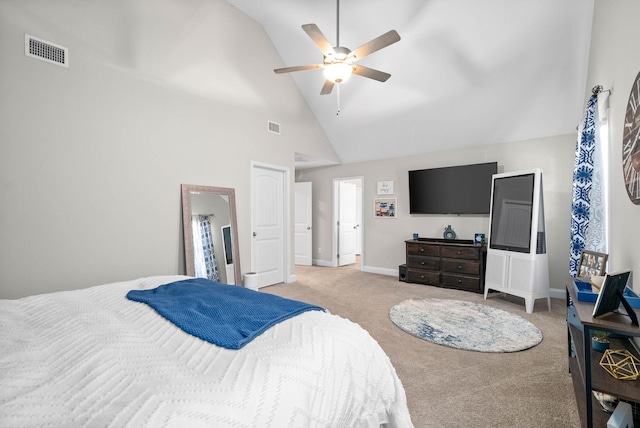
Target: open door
<point>347,223</point>
<point>303,221</point>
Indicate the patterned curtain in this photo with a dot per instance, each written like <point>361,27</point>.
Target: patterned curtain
<point>588,206</point>
<point>204,257</point>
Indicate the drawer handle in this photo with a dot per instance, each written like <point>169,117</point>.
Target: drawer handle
<point>459,252</point>
<point>421,276</point>
<point>421,249</point>
<point>459,267</point>
<point>459,281</point>
<point>422,263</point>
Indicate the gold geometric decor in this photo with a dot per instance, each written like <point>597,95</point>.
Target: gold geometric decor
<point>620,364</point>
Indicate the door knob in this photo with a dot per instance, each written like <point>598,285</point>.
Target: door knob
<point>255,234</point>
<point>308,227</point>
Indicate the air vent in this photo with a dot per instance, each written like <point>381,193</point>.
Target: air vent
<point>274,127</point>
<point>46,51</point>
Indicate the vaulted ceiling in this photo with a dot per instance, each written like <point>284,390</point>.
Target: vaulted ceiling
<point>466,72</point>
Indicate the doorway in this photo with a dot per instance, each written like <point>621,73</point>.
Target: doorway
<point>348,228</point>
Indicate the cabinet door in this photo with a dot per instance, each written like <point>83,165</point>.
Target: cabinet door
<point>497,269</point>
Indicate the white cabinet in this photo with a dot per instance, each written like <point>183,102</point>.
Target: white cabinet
<point>522,275</point>
<point>517,262</point>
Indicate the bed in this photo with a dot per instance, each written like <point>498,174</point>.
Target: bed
<point>92,357</point>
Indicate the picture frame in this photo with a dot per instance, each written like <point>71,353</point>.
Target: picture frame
<point>385,207</point>
<point>591,264</point>
<point>385,187</point>
<point>612,295</point>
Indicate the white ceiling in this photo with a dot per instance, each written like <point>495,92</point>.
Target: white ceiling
<point>466,72</point>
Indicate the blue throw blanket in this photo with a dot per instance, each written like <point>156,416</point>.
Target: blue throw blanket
<point>225,315</point>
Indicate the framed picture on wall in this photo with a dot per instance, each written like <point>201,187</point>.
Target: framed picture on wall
<point>591,264</point>
<point>384,207</point>
<point>385,187</point>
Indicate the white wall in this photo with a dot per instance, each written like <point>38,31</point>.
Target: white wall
<point>384,247</point>
<point>92,156</point>
<point>614,62</point>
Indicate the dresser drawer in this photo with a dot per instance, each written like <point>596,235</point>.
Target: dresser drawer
<point>461,266</point>
<point>417,248</point>
<point>422,262</point>
<point>461,282</point>
<point>423,277</point>
<point>470,253</point>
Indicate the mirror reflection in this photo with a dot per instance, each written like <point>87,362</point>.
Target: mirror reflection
<point>210,233</point>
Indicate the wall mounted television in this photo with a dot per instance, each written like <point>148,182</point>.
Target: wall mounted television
<point>463,189</point>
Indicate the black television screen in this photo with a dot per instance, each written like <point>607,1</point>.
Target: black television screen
<point>464,189</point>
<point>510,227</point>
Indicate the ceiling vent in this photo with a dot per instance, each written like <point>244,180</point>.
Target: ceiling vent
<point>46,51</point>
<point>274,127</point>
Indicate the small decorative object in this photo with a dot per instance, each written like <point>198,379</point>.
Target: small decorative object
<point>607,402</point>
<point>622,416</point>
<point>600,340</point>
<point>415,236</point>
<point>384,207</point>
<point>385,187</point>
<point>449,233</point>
<point>591,263</point>
<point>621,364</point>
<point>479,238</point>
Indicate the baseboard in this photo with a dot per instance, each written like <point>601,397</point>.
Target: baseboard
<point>322,263</point>
<point>380,271</point>
<point>558,293</point>
<point>555,293</point>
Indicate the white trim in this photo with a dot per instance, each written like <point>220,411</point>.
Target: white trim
<point>380,271</point>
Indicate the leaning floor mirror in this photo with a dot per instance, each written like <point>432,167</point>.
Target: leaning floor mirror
<point>211,233</point>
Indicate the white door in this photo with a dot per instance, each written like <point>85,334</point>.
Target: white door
<point>267,219</point>
<point>302,222</point>
<point>347,224</point>
<point>359,217</point>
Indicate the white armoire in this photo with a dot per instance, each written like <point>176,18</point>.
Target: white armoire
<point>517,262</point>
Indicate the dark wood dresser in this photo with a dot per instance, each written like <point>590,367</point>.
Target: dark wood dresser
<point>451,263</point>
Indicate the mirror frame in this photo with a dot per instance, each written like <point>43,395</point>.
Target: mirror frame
<point>188,230</point>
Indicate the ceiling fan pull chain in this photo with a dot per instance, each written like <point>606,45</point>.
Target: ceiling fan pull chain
<point>338,99</point>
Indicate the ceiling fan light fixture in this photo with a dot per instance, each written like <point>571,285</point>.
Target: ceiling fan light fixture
<point>338,72</point>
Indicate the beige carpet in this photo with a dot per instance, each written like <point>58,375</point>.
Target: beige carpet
<point>447,387</point>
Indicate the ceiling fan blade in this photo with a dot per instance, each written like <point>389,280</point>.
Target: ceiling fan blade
<point>298,68</point>
<point>371,73</point>
<point>318,38</point>
<point>327,87</point>
<point>388,38</point>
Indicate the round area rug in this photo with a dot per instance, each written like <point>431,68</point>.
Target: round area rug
<point>465,325</point>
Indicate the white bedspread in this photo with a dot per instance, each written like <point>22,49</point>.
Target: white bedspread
<point>92,358</point>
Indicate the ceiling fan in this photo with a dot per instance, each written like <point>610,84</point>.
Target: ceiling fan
<point>338,63</point>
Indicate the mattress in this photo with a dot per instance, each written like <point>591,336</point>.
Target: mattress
<point>91,357</point>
